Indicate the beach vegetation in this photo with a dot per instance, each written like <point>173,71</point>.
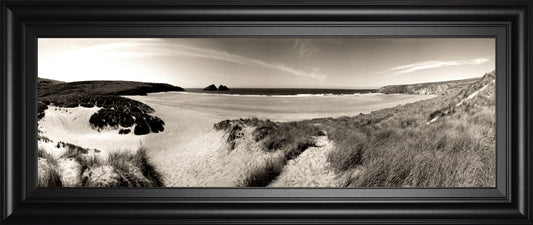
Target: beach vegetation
<point>263,174</point>
<point>48,175</point>
<point>82,167</point>
<point>289,139</point>
<point>404,149</point>
<point>446,141</point>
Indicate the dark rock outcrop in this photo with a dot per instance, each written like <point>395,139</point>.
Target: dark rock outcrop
<point>124,131</point>
<point>143,122</point>
<point>211,87</point>
<point>223,88</point>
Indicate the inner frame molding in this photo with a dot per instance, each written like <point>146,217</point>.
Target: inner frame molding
<point>348,30</point>
<point>23,23</point>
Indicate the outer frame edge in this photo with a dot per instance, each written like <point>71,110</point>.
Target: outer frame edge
<point>524,204</point>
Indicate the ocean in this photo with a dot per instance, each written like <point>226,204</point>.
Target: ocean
<point>284,91</point>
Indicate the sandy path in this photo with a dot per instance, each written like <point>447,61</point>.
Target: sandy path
<point>190,153</point>
<point>309,169</point>
<point>187,146</point>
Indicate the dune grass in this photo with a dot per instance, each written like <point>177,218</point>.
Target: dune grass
<point>394,147</point>
<point>264,174</point>
<point>444,154</point>
<point>290,139</point>
<point>134,169</point>
<point>80,167</point>
<point>48,175</point>
<point>400,149</point>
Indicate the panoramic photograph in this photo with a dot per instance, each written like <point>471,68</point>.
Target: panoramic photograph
<point>266,112</point>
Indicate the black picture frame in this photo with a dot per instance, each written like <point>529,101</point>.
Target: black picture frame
<point>23,21</point>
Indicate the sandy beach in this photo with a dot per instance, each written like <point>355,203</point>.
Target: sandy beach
<point>189,120</point>
<point>190,152</point>
<point>280,108</point>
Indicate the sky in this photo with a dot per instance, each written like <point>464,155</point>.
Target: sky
<point>267,62</point>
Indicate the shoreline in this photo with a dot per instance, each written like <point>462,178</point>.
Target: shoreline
<point>266,95</point>
<point>284,109</point>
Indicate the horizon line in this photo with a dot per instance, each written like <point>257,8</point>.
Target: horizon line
<point>334,87</point>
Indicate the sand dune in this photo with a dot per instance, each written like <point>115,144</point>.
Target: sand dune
<point>71,125</point>
<point>191,153</point>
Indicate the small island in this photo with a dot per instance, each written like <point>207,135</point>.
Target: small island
<point>223,88</point>
<point>212,87</point>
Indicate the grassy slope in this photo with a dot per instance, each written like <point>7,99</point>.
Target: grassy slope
<point>102,87</point>
<point>432,88</point>
<point>395,147</point>
<point>398,148</point>
<point>45,83</point>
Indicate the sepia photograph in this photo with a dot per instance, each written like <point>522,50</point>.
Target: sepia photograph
<point>266,112</point>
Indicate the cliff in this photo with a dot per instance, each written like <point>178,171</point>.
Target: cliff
<point>47,87</point>
<point>433,88</point>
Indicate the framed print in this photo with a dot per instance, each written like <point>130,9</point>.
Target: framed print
<point>296,124</point>
<point>382,112</point>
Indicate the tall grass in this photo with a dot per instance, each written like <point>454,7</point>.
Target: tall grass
<point>265,173</point>
<point>394,147</point>
<point>291,139</point>
<point>48,175</point>
<point>439,156</point>
<point>401,150</point>
<point>117,169</point>
<point>134,169</point>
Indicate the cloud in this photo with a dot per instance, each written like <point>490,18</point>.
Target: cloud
<point>103,60</point>
<point>424,65</point>
<point>116,50</point>
<point>304,47</point>
<point>247,61</point>
<point>101,54</point>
